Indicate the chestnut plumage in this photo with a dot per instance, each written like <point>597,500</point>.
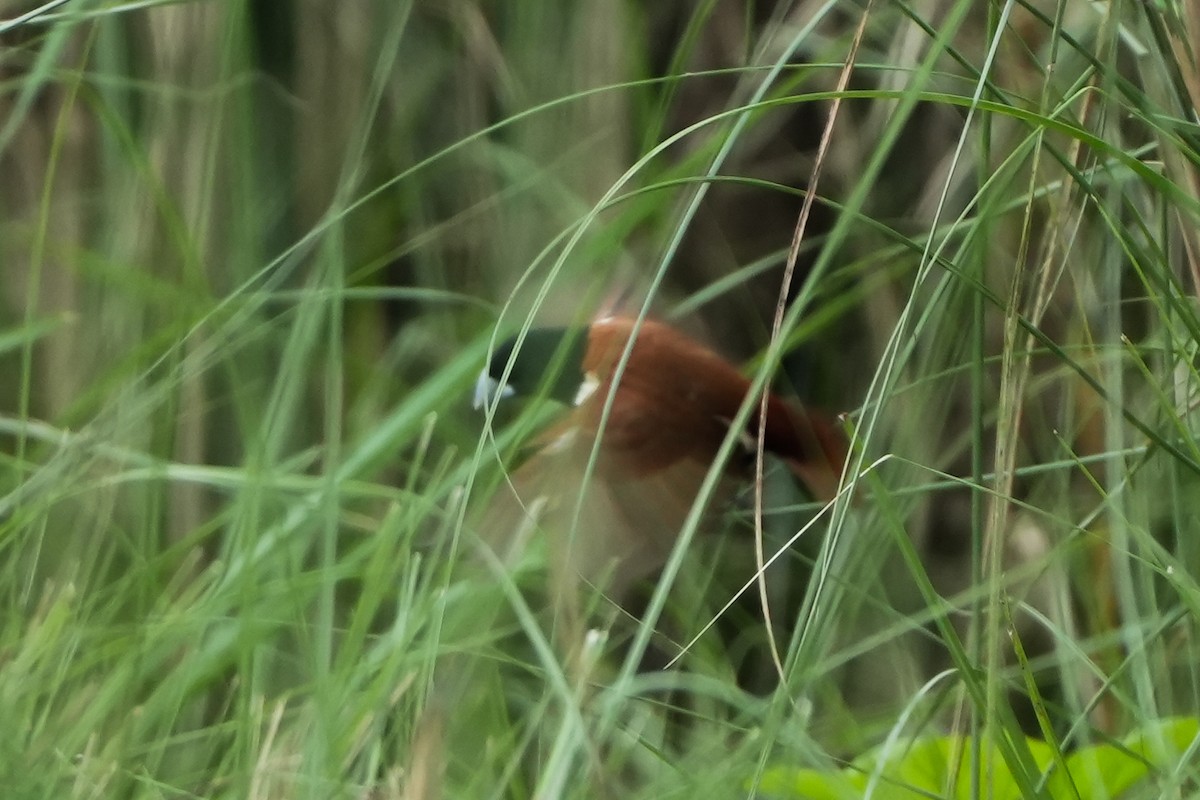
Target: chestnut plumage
<point>675,400</point>
<point>671,411</point>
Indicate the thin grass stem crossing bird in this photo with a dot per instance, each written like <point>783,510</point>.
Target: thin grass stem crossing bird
<point>670,413</point>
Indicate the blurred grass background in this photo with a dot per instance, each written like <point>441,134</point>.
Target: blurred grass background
<point>254,253</point>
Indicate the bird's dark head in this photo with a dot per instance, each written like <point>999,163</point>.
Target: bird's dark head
<point>549,363</point>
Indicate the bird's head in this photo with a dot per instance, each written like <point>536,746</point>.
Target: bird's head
<point>548,363</point>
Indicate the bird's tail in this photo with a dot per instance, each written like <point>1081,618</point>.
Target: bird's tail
<point>810,442</point>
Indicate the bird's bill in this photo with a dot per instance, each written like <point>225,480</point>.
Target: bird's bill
<point>487,389</point>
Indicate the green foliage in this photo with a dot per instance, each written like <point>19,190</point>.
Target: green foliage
<point>255,252</point>
<point>1150,762</point>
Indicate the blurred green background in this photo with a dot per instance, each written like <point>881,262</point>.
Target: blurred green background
<point>254,253</point>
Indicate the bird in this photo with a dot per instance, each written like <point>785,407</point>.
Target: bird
<point>671,410</point>
<point>608,523</point>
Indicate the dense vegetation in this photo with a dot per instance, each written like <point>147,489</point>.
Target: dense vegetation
<point>256,251</point>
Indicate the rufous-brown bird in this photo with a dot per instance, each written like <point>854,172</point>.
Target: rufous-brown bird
<point>617,525</point>
<point>670,413</point>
